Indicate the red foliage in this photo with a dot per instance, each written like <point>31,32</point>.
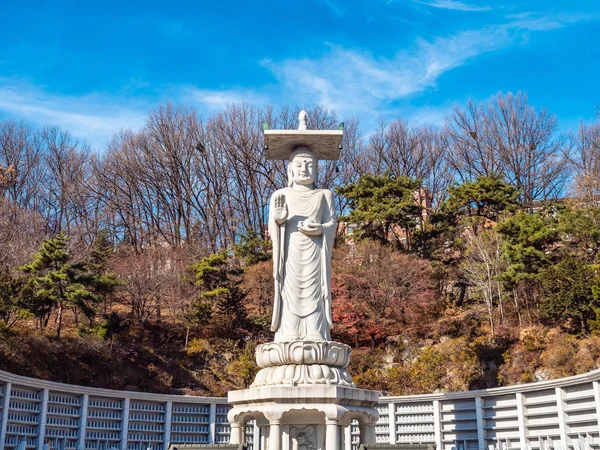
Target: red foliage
<point>380,293</point>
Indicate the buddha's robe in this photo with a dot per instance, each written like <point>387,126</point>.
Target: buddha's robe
<point>302,266</point>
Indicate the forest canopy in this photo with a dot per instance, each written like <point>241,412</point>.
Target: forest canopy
<point>469,250</point>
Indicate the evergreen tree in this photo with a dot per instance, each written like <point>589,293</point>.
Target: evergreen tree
<point>569,289</point>
<point>102,282</point>
<point>528,240</point>
<point>252,248</point>
<point>100,253</point>
<point>220,302</point>
<point>56,283</point>
<point>12,306</point>
<point>580,232</point>
<point>469,206</point>
<point>382,203</point>
<point>485,199</point>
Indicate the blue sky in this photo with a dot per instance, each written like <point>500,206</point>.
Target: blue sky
<point>97,67</point>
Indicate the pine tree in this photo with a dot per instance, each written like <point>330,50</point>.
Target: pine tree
<point>570,291</point>
<point>252,248</point>
<point>380,203</point>
<point>528,241</point>
<point>100,253</point>
<point>57,283</point>
<point>471,206</point>
<point>100,279</point>
<point>220,300</point>
<point>485,199</point>
<point>12,306</point>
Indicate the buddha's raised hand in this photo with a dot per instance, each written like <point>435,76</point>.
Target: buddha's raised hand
<point>280,211</point>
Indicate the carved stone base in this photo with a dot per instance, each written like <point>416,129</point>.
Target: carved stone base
<point>303,362</point>
<point>302,374</point>
<point>304,417</point>
<point>328,353</point>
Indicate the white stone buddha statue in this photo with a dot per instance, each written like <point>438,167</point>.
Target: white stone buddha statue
<point>302,225</point>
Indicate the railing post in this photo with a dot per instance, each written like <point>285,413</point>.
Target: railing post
<point>256,436</point>
<point>5,407</point>
<point>562,416</point>
<point>212,426</point>
<point>521,420</point>
<point>437,425</point>
<point>480,430</point>
<point>168,416</point>
<point>85,400</point>
<point>125,424</point>
<point>392,422</point>
<point>596,385</point>
<point>43,417</point>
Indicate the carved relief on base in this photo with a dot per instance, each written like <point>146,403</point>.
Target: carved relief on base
<point>328,353</point>
<point>303,438</point>
<point>302,374</point>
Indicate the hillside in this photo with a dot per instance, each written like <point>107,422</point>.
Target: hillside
<point>466,256</point>
<point>406,338</point>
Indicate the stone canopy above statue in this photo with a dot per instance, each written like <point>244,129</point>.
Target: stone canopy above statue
<point>325,144</point>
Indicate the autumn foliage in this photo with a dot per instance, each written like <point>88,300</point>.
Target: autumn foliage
<point>380,293</point>
<point>467,256</point>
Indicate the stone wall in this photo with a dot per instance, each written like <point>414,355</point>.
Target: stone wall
<point>550,414</point>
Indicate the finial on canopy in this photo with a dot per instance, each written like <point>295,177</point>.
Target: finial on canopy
<point>302,119</point>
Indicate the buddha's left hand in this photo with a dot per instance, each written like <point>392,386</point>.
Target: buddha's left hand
<point>310,228</point>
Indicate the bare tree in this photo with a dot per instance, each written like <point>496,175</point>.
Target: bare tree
<point>157,183</point>
<point>435,171</point>
<point>67,165</point>
<point>20,149</point>
<point>481,266</point>
<point>416,152</point>
<point>508,138</point>
<point>474,152</point>
<point>354,161</point>
<point>21,233</point>
<point>534,155</point>
<point>586,162</point>
<point>146,277</point>
<point>236,134</point>
<point>116,174</point>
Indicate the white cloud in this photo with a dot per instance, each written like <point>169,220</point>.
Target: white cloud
<point>452,4</point>
<point>536,22</point>
<point>357,82</point>
<point>97,117</point>
<point>430,115</point>
<point>352,82</point>
<point>92,117</point>
<point>213,100</point>
<point>336,8</point>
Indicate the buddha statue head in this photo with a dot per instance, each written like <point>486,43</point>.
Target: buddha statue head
<point>302,167</point>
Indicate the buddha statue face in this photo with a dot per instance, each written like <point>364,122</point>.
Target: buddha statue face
<point>302,168</point>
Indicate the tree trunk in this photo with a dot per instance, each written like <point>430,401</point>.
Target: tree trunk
<point>500,303</point>
<point>463,292</point>
<point>489,300</point>
<point>59,319</point>
<point>516,300</point>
